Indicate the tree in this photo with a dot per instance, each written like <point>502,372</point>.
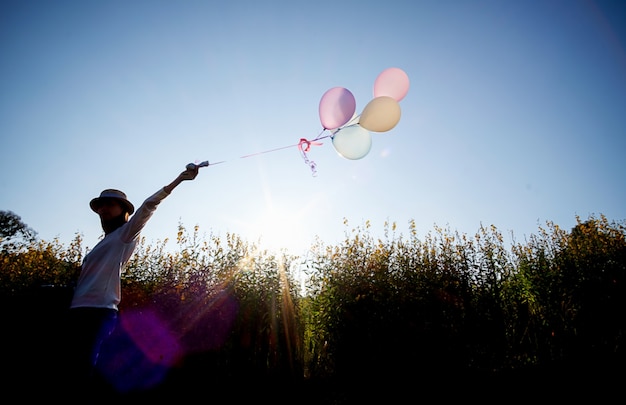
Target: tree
<point>13,230</point>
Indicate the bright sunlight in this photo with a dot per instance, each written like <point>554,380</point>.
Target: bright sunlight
<point>278,229</point>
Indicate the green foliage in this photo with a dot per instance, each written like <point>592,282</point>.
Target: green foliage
<point>202,280</point>
<point>40,263</point>
<point>449,302</point>
<point>566,297</point>
<point>444,302</point>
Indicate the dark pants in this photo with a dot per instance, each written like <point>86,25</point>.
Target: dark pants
<point>88,328</point>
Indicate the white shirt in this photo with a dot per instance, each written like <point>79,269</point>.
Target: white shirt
<point>99,282</point>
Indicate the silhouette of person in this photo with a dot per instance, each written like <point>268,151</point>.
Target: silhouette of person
<point>93,312</point>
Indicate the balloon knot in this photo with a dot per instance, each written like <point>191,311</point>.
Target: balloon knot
<point>304,146</point>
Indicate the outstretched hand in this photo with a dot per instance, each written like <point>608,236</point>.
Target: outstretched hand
<point>190,172</point>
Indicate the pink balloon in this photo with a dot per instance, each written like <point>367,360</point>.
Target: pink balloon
<point>337,106</point>
<point>392,82</point>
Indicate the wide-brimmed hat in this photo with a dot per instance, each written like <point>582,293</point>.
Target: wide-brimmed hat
<point>115,195</point>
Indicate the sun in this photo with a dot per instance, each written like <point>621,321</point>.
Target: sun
<point>277,229</point>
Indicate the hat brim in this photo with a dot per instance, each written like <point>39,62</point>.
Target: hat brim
<point>95,203</point>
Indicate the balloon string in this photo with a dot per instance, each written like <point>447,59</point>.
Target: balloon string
<point>267,151</point>
<point>289,146</point>
<point>304,145</point>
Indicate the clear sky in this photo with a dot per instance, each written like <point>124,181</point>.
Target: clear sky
<point>516,114</point>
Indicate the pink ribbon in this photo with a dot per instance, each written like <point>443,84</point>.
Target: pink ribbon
<point>304,146</point>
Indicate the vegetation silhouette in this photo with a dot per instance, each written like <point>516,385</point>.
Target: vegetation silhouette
<point>444,313</point>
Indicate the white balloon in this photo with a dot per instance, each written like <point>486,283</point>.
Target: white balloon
<point>352,142</point>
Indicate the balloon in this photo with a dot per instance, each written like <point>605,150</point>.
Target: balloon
<point>352,142</point>
<point>336,107</point>
<point>392,82</point>
<point>381,114</point>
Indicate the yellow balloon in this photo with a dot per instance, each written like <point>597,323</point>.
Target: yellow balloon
<point>381,114</point>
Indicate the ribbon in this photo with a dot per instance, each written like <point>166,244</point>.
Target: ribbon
<point>304,146</point>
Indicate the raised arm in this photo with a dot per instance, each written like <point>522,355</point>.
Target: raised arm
<point>190,173</point>
<point>145,211</point>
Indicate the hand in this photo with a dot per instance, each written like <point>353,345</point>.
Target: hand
<point>190,173</point>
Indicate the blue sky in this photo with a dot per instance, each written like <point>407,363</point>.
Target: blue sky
<point>516,114</point>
